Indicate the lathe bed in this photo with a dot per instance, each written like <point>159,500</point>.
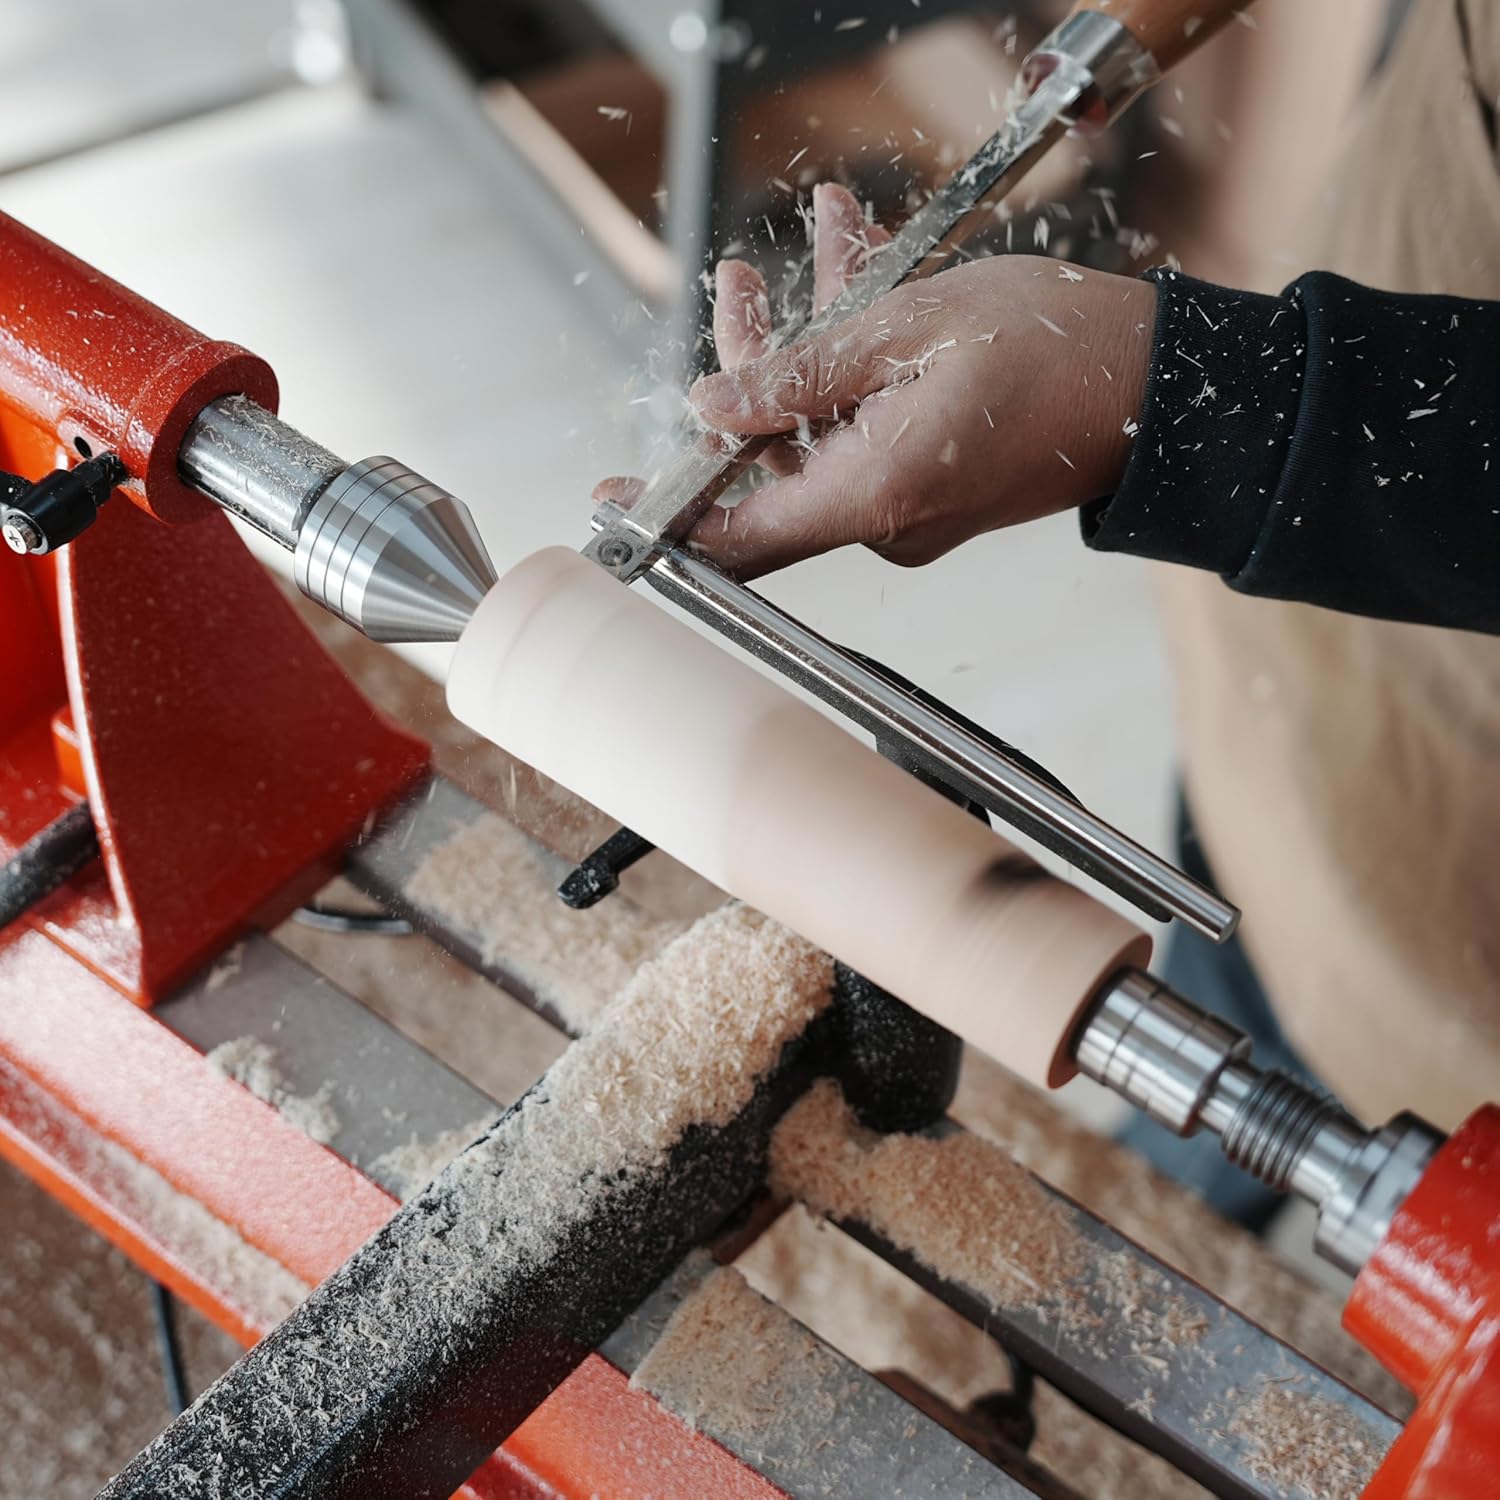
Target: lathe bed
<point>1144,1347</point>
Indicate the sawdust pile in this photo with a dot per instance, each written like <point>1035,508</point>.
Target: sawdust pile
<point>259,1289</point>
<point>1307,1447</point>
<point>1169,1220</point>
<point>880,1319</point>
<point>968,1211</point>
<point>685,1044</point>
<point>493,881</point>
<point>81,1390</point>
<point>252,1063</point>
<point>442,1005</point>
<point>734,1365</point>
<point>408,1168</point>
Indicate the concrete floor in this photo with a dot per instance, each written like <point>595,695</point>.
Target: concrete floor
<point>81,1388</point>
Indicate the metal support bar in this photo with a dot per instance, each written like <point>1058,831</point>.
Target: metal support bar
<point>381,1089</point>
<point>434,1341</point>
<point>953,749</point>
<point>1178,1399</point>
<point>869,1441</point>
<point>383,864</point>
<point>1095,1374</point>
<point>399,1374</point>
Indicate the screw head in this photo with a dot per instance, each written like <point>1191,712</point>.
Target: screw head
<point>21,533</point>
<point>614,553</point>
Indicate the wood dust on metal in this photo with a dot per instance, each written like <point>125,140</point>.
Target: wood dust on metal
<point>489,879</point>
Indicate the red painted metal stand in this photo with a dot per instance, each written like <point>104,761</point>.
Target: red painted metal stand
<point>158,671</point>
<point>1428,1307</point>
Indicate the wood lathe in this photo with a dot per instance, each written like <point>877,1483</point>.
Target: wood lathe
<point>147,832</point>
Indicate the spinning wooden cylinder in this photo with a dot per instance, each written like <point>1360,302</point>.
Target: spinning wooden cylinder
<point>599,689</point>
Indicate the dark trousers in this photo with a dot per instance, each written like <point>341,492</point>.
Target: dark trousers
<point>1220,978</point>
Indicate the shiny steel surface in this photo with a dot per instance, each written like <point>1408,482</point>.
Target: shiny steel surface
<point>395,555</point>
<point>1158,1051</point>
<point>256,466</point>
<point>885,709</point>
<point>1189,1070</point>
<point>1118,69</point>
<point>628,540</point>
<point>21,534</point>
<point>1378,1178</point>
<point>634,542</point>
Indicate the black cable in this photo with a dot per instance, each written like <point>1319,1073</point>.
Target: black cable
<point>1011,1414</point>
<point>172,1374</point>
<point>346,919</point>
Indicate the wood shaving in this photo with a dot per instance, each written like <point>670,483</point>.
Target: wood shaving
<point>257,1287</point>
<point>686,1044</point>
<point>409,1168</point>
<point>734,1365</point>
<point>1168,1220</point>
<point>966,1210</point>
<point>252,1063</point>
<point>970,1213</point>
<point>1308,1447</point>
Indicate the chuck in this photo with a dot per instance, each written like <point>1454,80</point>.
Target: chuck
<point>395,555</point>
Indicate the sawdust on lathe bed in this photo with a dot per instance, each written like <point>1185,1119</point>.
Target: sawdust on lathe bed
<point>251,1063</point>
<point>966,1210</point>
<point>685,1044</point>
<point>408,1168</point>
<point>1169,1220</point>
<point>1308,1447</point>
<point>490,879</point>
<point>779,1374</point>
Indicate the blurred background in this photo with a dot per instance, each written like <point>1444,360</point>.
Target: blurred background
<point>474,232</point>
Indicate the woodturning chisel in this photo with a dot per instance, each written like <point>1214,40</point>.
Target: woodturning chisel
<point>1083,75</point>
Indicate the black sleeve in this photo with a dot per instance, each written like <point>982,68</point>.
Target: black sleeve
<point>1331,445</point>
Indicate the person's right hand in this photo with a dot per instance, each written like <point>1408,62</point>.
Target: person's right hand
<point>994,393</point>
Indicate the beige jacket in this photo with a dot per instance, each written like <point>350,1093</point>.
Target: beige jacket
<point>1345,773</point>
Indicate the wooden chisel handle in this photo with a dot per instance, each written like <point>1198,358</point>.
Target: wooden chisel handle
<point>1113,50</point>
<point>1168,29</point>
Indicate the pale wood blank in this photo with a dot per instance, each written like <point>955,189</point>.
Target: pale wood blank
<point>595,686</point>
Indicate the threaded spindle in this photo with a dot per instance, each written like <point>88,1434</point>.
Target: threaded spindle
<point>1274,1125</point>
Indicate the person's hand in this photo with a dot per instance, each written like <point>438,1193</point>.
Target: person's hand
<point>842,239</point>
<point>995,393</point>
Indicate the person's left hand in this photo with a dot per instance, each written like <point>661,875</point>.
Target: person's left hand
<point>842,238</point>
